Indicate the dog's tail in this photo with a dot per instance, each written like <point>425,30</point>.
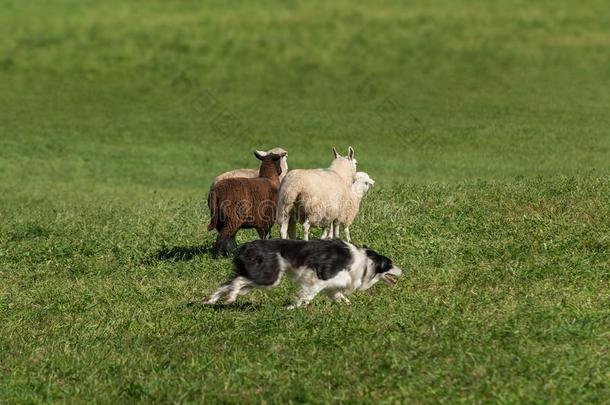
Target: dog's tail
<point>213,205</point>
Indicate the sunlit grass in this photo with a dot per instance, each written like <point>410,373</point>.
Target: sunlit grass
<point>484,125</point>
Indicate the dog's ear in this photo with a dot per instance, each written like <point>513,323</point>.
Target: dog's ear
<point>385,265</point>
<point>336,153</point>
<point>259,154</point>
<point>382,263</point>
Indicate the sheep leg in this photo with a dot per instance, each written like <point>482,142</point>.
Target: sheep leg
<point>348,237</point>
<point>225,243</point>
<point>218,246</point>
<point>306,227</point>
<point>292,229</point>
<point>336,229</point>
<point>230,245</point>
<point>327,232</point>
<point>264,233</point>
<point>284,229</point>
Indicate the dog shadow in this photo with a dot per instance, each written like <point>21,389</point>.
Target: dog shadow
<point>179,253</point>
<point>236,306</point>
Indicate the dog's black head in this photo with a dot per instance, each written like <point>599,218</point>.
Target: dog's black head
<point>383,267</point>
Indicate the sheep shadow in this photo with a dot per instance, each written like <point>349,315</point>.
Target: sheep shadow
<point>179,253</point>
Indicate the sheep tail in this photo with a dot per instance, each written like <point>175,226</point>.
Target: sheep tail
<point>212,203</point>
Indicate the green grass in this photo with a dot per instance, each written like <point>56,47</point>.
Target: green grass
<point>484,124</point>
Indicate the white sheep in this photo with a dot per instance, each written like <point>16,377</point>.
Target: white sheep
<point>315,196</point>
<point>252,173</point>
<point>360,187</point>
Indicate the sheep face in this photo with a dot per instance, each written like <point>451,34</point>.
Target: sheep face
<point>362,184</point>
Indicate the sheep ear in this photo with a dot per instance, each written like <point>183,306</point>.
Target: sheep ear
<point>350,153</point>
<point>260,155</point>
<point>336,153</point>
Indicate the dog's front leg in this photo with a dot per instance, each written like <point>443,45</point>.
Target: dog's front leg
<point>305,296</point>
<point>339,297</point>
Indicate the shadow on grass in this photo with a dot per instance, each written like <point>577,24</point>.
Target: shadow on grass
<point>237,306</point>
<point>178,253</point>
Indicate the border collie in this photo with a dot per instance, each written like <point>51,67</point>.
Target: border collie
<point>331,266</point>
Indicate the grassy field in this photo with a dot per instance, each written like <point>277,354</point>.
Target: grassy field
<point>485,125</point>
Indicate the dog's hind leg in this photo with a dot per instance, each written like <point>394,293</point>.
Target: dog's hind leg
<point>245,290</point>
<point>239,286</point>
<point>222,290</point>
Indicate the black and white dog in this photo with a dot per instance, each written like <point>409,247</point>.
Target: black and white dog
<point>332,266</point>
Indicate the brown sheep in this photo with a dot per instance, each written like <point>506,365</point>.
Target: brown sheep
<point>240,203</point>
